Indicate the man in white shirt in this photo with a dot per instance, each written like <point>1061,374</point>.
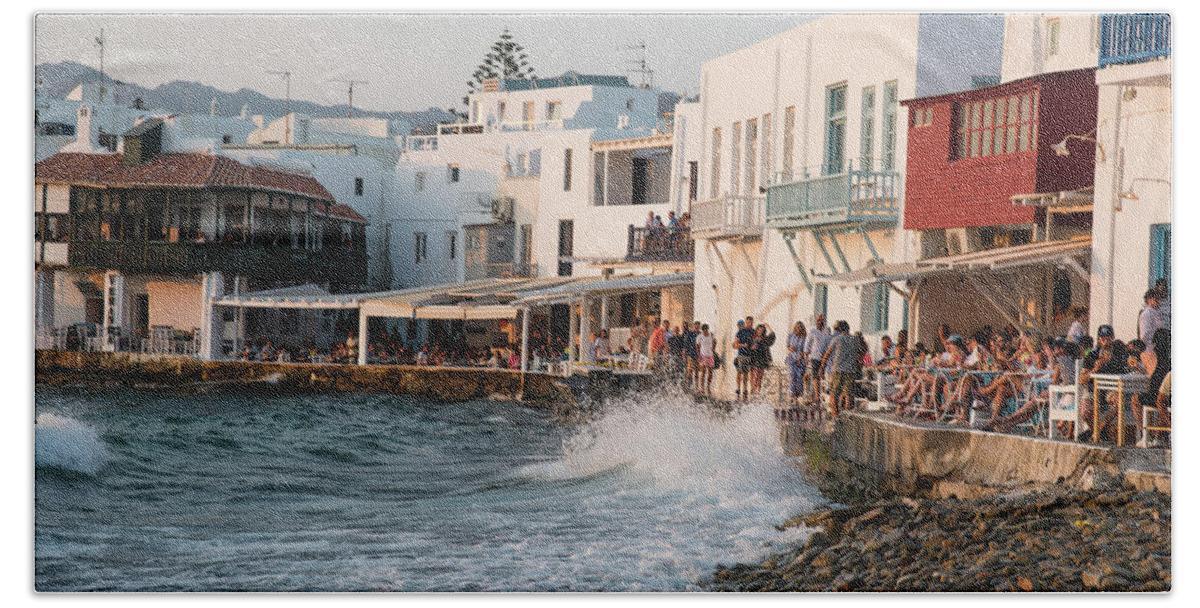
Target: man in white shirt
<point>1078,329</point>
<point>1149,321</point>
<point>814,346</point>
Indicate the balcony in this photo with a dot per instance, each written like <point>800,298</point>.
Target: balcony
<point>659,245</point>
<point>460,128</point>
<point>1132,38</point>
<point>500,270</point>
<point>338,266</point>
<point>855,196</point>
<point>421,143</point>
<point>727,217</point>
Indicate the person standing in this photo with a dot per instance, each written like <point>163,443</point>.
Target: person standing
<point>658,341</point>
<point>691,364</point>
<point>843,357</point>
<point>794,362</point>
<point>705,344</point>
<point>1149,321</point>
<point>1164,299</point>
<point>760,356</point>
<point>742,342</point>
<point>1078,328</point>
<point>814,348</point>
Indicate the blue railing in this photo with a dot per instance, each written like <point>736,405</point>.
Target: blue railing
<point>859,195</point>
<point>1131,38</point>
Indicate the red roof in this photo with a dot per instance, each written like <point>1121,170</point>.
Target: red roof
<point>347,213</point>
<point>176,170</point>
<point>75,167</point>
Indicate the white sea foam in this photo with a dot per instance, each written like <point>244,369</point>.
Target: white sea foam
<point>66,443</point>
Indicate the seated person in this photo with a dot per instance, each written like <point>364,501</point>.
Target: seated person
<point>1063,372</point>
<point>1108,357</point>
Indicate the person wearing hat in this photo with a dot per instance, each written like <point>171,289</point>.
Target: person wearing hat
<point>842,357</point>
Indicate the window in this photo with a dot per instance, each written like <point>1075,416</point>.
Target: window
<point>226,139</point>
<point>567,170</point>
<point>751,156</point>
<point>891,100</point>
<point>452,173</point>
<point>1054,29</point>
<point>566,246</point>
<point>765,173</point>
<point>528,116</point>
<point>623,121</point>
<point>693,180</point>
<point>922,117</point>
<point>50,227</point>
<point>553,110</point>
<point>874,310</point>
<point>835,129</point>
<point>866,145</point>
<point>419,181</point>
<point>500,111</point>
<point>526,245</point>
<point>789,140</point>
<point>358,186</point>
<point>820,299</point>
<point>535,162</point>
<point>715,175</point>
<point>629,104</point>
<point>107,141</point>
<point>996,126</point>
<point>419,252</point>
<point>451,244</point>
<point>1160,253</point>
<point>735,159</point>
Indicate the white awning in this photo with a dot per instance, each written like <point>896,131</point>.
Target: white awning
<point>874,273</point>
<point>1010,257</point>
<point>1057,201</point>
<point>575,290</point>
<point>474,300</point>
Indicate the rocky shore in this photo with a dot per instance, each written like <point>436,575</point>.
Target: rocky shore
<point>1099,540</point>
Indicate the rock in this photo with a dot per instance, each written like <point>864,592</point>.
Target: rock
<point>1024,584</point>
<point>1091,580</point>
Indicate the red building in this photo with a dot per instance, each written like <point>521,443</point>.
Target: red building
<point>970,152</point>
<point>999,188</point>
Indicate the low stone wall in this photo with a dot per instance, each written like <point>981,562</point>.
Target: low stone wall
<point>437,384</point>
<point>873,455</point>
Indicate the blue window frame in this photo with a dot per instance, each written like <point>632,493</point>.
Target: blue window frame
<point>835,129</point>
<point>820,299</point>
<point>1160,253</point>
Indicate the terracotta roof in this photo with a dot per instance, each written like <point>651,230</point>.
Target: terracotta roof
<point>76,167</point>
<point>179,170</point>
<point>346,213</point>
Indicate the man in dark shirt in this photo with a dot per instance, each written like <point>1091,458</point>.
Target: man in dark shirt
<point>743,341</point>
<point>1109,357</point>
<point>843,356</point>
<point>689,352</point>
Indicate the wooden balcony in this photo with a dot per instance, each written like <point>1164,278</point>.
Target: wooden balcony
<point>659,245</point>
<point>855,196</point>
<point>1133,38</point>
<point>728,217</point>
<point>336,266</point>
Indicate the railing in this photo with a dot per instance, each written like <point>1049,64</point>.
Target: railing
<point>500,270</point>
<point>1131,38</point>
<point>659,245</point>
<point>554,124</point>
<point>340,266</point>
<point>728,216</point>
<point>421,143</point>
<point>859,195</point>
<point>460,128</point>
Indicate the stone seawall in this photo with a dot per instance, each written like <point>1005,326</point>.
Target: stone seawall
<point>869,456</point>
<point>436,384</point>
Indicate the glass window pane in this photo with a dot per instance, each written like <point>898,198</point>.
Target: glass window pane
<point>1023,139</point>
<point>1025,108</point>
<point>988,108</point>
<point>1010,139</point>
<point>976,114</point>
<point>998,140</point>
<point>987,143</point>
<point>975,143</point>
<point>1014,104</point>
<point>928,116</point>
<point>1033,136</point>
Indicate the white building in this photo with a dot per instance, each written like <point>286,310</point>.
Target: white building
<point>793,160</point>
<point>1131,230</point>
<point>1039,43</point>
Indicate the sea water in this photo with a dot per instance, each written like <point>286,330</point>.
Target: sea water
<point>149,491</point>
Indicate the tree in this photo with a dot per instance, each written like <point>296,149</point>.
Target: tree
<point>506,59</point>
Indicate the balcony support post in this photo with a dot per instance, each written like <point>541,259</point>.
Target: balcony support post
<point>862,229</point>
<point>825,252</point>
<point>788,237</point>
<point>838,248</point>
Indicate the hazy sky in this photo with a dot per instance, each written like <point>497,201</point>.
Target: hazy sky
<point>409,62</point>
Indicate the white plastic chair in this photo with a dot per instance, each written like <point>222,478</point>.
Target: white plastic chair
<point>1062,403</point>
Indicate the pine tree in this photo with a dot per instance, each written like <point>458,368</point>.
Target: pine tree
<point>506,59</point>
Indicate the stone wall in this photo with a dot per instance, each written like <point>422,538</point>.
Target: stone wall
<point>437,384</point>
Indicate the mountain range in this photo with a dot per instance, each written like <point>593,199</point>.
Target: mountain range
<point>58,79</point>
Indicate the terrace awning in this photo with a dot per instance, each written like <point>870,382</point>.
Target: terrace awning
<point>874,273</point>
<point>1016,256</point>
<point>475,300</point>
<point>577,289</point>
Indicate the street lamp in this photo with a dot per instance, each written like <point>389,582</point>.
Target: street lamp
<point>1060,148</point>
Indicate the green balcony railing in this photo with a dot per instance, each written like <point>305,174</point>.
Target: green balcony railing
<point>856,195</point>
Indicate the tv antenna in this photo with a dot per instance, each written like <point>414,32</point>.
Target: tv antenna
<point>639,65</point>
<point>287,108</point>
<point>100,43</point>
<point>350,110</point>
